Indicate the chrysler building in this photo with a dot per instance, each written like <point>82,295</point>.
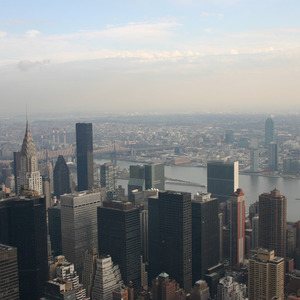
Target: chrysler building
<point>30,176</point>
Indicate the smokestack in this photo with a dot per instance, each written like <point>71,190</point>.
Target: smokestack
<point>57,136</point>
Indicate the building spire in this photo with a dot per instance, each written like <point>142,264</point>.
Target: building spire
<point>27,124</point>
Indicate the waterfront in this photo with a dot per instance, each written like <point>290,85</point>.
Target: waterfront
<point>252,185</point>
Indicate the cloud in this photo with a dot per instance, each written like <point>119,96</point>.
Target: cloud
<point>142,32</point>
<point>210,14</point>
<point>32,33</point>
<point>3,34</point>
<point>26,65</point>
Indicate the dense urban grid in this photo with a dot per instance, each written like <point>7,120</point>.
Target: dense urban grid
<point>75,224</point>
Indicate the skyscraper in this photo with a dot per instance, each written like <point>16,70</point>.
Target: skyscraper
<point>54,219</point>
<point>265,276</point>
<point>273,156</point>
<point>146,177</point>
<point>107,279</point>
<point>79,226</point>
<point>30,176</point>
<point>61,176</point>
<point>237,228</point>
<point>272,222</point>
<point>269,132</point>
<point>23,225</point>
<point>84,146</point>
<point>170,249</point>
<point>205,234</point>
<point>254,160</point>
<point>108,176</point>
<point>9,281</point>
<point>222,179</point>
<point>119,237</point>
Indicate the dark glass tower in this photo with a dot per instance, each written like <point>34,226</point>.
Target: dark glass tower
<point>84,146</point>
<point>206,234</point>
<point>222,179</point>
<point>61,175</point>
<point>174,225</point>
<point>23,225</point>
<point>54,219</point>
<point>119,237</point>
<point>146,177</point>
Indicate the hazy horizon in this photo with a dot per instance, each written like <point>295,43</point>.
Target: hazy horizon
<point>187,56</point>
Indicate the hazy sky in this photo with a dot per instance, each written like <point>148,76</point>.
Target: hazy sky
<point>139,55</point>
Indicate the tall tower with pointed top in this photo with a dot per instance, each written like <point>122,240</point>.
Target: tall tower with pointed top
<point>30,176</point>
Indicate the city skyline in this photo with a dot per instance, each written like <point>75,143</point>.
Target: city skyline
<point>139,56</point>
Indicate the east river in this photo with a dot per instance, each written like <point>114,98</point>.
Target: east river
<point>252,185</point>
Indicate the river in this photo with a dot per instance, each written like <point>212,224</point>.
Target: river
<point>252,185</point>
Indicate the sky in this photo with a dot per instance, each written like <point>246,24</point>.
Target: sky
<point>177,56</point>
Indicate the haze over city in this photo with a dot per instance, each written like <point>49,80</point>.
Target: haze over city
<point>150,56</point>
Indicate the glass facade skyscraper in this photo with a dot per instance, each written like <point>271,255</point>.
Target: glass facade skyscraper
<point>85,163</point>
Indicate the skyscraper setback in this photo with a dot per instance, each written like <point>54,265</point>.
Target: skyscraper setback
<point>84,146</point>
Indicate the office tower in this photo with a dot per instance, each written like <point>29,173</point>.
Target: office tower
<point>254,160</point>
<point>46,170</point>
<point>108,176</point>
<point>272,222</point>
<point>146,177</point>
<point>200,291</point>
<point>17,162</point>
<point>155,176</point>
<point>23,225</point>
<point>205,234</point>
<point>29,175</point>
<point>84,148</point>
<point>269,132</point>
<point>153,237</point>
<point>229,138</point>
<point>59,289</point>
<point>265,276</point>
<point>237,228</point>
<point>164,288</point>
<point>79,225</point>
<point>89,270</point>
<point>255,232</point>
<point>46,191</point>
<point>144,234</point>
<point>144,273</point>
<point>222,179</point>
<point>65,270</point>
<point>229,289</point>
<point>291,235</point>
<point>273,156</point>
<point>9,281</point>
<point>119,237</point>
<point>61,176</point>
<point>170,236</point>
<point>137,178</point>
<point>54,220</point>
<point>107,279</point>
